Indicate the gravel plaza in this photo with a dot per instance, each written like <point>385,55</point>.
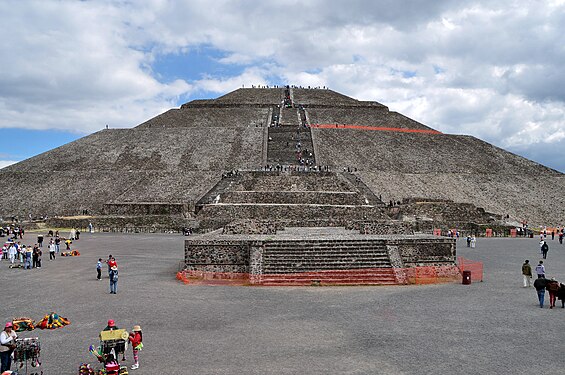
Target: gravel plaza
<point>490,327</point>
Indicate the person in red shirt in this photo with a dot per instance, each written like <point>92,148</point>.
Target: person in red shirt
<point>136,339</point>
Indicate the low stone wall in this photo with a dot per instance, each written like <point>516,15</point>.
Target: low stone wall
<point>291,212</point>
<point>426,252</point>
<point>293,197</point>
<point>150,208</point>
<point>217,256</point>
<point>124,224</point>
<point>382,227</point>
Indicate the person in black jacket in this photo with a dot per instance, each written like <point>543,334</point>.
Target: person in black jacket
<point>544,249</point>
<point>540,284</point>
<point>561,294</point>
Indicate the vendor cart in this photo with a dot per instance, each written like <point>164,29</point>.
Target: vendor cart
<point>115,341</point>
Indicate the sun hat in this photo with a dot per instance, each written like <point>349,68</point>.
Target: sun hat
<point>114,268</point>
<point>136,328</point>
<point>8,325</point>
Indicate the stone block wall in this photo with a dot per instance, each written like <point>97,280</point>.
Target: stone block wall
<point>290,212</point>
<point>252,227</point>
<point>125,224</point>
<point>426,252</point>
<point>140,208</point>
<point>382,227</point>
<point>293,197</point>
<point>217,256</point>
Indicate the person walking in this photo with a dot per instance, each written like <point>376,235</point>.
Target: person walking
<point>544,249</point>
<point>99,269</point>
<point>540,269</point>
<point>540,284</point>
<point>552,287</point>
<point>527,273</point>
<point>114,280</point>
<point>7,345</point>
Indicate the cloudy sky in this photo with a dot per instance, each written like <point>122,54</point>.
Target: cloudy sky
<point>492,69</point>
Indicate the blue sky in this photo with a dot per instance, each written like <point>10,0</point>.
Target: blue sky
<point>491,69</point>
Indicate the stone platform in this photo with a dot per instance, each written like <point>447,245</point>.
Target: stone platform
<point>317,256</point>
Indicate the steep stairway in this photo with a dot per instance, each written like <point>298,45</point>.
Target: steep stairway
<point>327,262</point>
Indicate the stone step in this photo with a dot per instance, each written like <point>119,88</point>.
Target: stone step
<point>325,260</point>
<point>318,267</point>
<point>328,253</point>
<point>375,276</point>
<point>333,247</point>
<point>327,282</point>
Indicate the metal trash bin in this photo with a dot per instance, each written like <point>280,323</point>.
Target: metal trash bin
<point>466,277</point>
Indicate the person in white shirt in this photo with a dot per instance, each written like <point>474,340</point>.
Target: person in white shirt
<point>7,345</point>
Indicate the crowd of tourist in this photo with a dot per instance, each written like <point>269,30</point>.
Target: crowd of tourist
<point>27,256</point>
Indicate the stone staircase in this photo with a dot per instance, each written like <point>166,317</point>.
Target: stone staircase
<point>288,143</point>
<point>222,186</point>
<point>327,262</point>
<point>364,190</point>
<point>296,198</point>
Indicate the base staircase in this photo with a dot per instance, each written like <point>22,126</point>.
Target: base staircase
<point>327,262</point>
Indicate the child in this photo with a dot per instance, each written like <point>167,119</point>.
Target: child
<point>99,269</point>
<point>136,339</point>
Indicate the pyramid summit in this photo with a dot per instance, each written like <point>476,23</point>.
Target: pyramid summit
<point>283,153</point>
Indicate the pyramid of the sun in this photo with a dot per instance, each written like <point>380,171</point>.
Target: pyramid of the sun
<point>178,159</point>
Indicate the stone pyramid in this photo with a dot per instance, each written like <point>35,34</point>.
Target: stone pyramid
<point>172,165</point>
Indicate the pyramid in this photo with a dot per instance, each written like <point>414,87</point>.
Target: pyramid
<point>291,153</point>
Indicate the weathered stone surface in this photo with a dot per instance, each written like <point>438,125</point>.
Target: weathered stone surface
<point>178,157</point>
<point>307,251</point>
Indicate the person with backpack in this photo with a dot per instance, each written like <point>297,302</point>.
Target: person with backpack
<point>544,249</point>
<point>114,280</point>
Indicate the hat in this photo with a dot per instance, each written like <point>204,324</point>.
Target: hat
<point>8,325</point>
<point>114,268</point>
<point>136,328</point>
<point>111,323</point>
